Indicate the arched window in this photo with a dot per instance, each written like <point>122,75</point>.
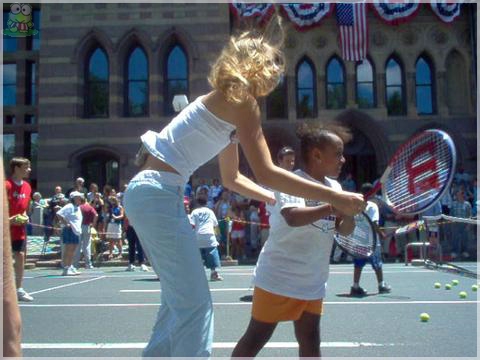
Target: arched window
<point>306,90</point>
<point>335,84</point>
<point>394,88</point>
<point>176,76</point>
<point>277,101</point>
<point>137,83</point>
<point>97,94</point>
<point>457,83</point>
<point>365,84</point>
<point>424,87</point>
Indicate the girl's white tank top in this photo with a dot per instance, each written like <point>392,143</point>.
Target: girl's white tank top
<point>191,139</point>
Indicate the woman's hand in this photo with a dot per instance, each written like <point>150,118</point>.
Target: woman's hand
<point>349,203</point>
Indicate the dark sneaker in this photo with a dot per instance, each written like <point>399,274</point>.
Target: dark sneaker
<point>384,289</point>
<point>358,291</point>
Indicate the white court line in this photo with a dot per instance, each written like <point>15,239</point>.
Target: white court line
<point>211,290</point>
<point>66,285</point>
<point>215,345</point>
<point>453,302</point>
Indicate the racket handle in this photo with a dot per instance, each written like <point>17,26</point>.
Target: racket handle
<point>375,189</point>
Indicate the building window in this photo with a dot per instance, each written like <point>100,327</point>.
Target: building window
<point>365,85</point>
<point>306,90</point>
<point>10,44</point>
<point>277,101</point>
<point>8,148</point>
<point>97,75</point>
<point>36,25</point>
<point>424,87</point>
<point>336,91</point>
<point>30,150</point>
<point>31,77</point>
<point>30,119</point>
<point>9,84</point>
<point>395,88</point>
<point>9,119</point>
<point>137,83</point>
<point>176,77</point>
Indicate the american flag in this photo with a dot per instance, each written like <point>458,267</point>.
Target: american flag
<point>352,21</point>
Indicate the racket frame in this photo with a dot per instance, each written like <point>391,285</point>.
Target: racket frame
<point>383,179</point>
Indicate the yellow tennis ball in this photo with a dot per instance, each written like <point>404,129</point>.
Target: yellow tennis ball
<point>448,286</point>
<point>424,317</point>
<point>462,294</point>
<point>455,282</point>
<point>437,285</point>
<point>474,287</point>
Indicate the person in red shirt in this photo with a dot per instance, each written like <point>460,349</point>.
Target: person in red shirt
<point>19,195</point>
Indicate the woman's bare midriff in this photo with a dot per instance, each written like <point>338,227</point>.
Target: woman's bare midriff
<point>152,163</point>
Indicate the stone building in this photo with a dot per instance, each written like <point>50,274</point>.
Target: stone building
<point>99,75</point>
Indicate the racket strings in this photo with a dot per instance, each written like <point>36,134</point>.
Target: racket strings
<point>362,241</point>
<point>429,158</point>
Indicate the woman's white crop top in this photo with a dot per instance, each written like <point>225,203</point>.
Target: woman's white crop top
<point>191,139</point>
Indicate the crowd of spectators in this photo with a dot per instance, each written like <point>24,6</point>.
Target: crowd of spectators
<point>245,222</point>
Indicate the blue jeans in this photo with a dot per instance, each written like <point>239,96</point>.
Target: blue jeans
<point>184,326</point>
<point>210,257</point>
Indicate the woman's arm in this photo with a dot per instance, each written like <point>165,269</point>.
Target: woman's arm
<point>247,119</point>
<point>233,180</point>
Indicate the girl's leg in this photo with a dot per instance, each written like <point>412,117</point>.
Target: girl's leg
<point>131,246</point>
<point>256,336</point>
<point>307,332</point>
<point>110,248</point>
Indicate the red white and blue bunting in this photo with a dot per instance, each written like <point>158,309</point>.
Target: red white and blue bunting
<point>306,15</point>
<point>395,12</point>
<point>263,11</point>
<point>447,12</point>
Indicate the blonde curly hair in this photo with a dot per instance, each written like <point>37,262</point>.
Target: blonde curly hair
<point>250,64</point>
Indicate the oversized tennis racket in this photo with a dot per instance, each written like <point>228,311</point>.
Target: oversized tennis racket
<point>361,242</point>
<point>419,173</point>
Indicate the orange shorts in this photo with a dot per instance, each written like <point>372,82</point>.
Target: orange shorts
<point>272,308</point>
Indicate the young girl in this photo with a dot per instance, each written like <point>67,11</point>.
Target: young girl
<point>292,269</point>
<point>248,68</point>
<point>114,227</point>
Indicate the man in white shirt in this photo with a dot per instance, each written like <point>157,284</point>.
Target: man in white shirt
<point>71,216</point>
<point>205,223</point>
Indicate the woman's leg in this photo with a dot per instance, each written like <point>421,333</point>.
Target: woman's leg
<point>184,324</point>
<point>307,332</point>
<point>256,336</point>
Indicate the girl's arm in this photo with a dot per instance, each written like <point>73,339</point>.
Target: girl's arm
<point>233,180</point>
<point>345,225</point>
<point>305,216</point>
<point>247,119</point>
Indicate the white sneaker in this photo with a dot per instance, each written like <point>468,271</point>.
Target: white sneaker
<point>22,295</point>
<point>75,271</point>
<point>130,267</point>
<point>144,267</point>
<point>90,266</point>
<point>68,272</point>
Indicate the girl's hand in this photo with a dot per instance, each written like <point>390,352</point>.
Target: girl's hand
<point>349,203</point>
